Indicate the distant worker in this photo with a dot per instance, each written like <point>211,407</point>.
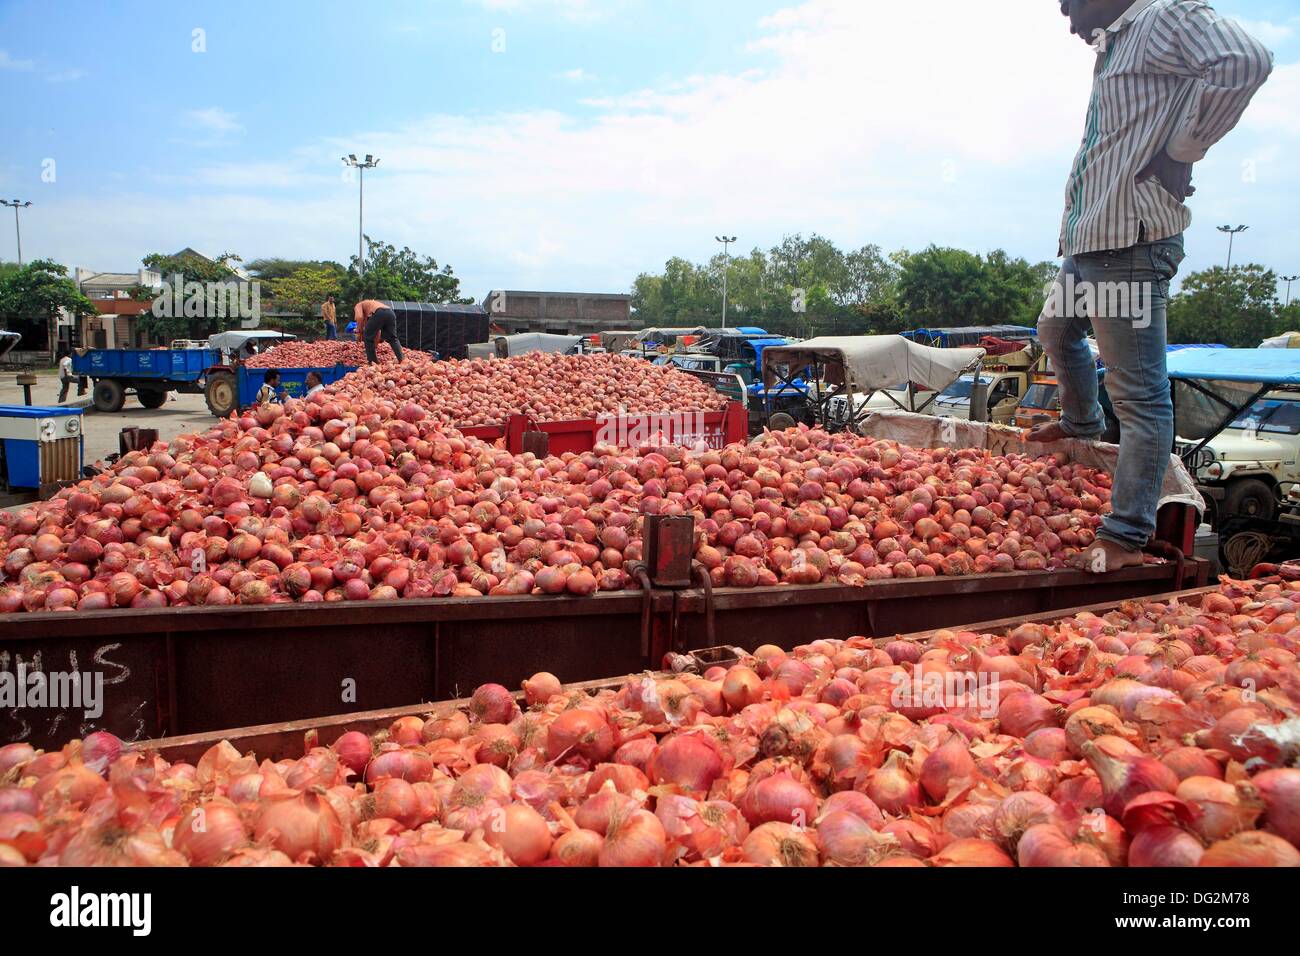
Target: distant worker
<point>270,385</point>
<point>314,383</point>
<point>327,312</point>
<point>66,378</point>
<point>374,319</point>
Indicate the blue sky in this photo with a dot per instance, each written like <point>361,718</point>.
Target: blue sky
<point>570,144</point>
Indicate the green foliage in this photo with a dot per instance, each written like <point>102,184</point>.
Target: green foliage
<point>273,268</point>
<point>195,268</point>
<point>396,275</point>
<point>303,290</point>
<point>940,287</point>
<point>39,290</point>
<point>810,287</point>
<point>1238,308</point>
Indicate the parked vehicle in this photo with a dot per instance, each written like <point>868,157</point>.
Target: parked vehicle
<point>149,374</point>
<point>1237,417</point>
<point>849,377</point>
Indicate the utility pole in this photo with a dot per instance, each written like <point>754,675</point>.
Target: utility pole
<point>370,162</point>
<point>17,204</point>
<point>1232,232</point>
<point>1288,280</point>
<point>726,260</point>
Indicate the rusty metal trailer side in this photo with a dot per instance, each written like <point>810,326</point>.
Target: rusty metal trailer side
<point>277,741</point>
<point>170,671</point>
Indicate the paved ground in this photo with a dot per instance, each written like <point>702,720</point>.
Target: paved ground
<point>187,413</point>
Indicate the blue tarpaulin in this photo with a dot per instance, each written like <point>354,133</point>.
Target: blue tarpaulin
<point>1266,366</point>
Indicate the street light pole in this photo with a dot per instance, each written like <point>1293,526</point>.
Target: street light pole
<point>18,232</point>
<point>1232,232</point>
<point>1288,280</point>
<point>726,241</point>
<point>370,162</point>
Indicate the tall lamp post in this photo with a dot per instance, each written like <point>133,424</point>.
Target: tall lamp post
<point>370,162</point>
<point>17,204</point>
<point>1288,280</point>
<point>726,241</point>
<point>1232,232</point>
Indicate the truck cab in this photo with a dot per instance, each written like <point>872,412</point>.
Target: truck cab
<point>1250,466</point>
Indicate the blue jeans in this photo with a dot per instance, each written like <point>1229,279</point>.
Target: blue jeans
<point>1122,294</point>
<point>331,330</point>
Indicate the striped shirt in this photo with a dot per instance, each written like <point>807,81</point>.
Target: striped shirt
<point>1171,75</point>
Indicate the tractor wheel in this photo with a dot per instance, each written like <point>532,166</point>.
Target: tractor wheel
<point>151,397</point>
<point>1251,498</point>
<point>220,394</point>
<point>109,395</point>
<point>780,422</point>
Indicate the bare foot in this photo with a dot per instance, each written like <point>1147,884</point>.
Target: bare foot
<point>1047,432</point>
<point>1105,556</point>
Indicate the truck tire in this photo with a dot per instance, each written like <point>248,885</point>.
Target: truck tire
<point>109,395</point>
<point>151,397</point>
<point>1250,498</point>
<point>780,422</point>
<point>220,394</point>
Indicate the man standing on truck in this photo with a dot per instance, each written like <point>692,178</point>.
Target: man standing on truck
<point>374,319</point>
<point>329,315</point>
<point>1172,78</point>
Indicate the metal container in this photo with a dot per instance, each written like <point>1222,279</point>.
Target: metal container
<point>173,671</point>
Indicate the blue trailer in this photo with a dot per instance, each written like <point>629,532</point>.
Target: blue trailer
<point>149,373</point>
<point>293,381</point>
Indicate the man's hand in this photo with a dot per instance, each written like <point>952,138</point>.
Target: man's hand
<point>1176,177</point>
<point>358,335</point>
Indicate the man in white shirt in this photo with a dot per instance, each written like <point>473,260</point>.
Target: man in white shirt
<point>1171,79</point>
<point>66,378</point>
<point>314,383</point>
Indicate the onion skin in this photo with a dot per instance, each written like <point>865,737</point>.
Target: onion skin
<point>1279,789</point>
<point>1251,848</point>
<point>1165,846</point>
<point>780,844</point>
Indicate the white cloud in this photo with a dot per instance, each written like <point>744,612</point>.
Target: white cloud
<point>1273,110</point>
<point>65,76</point>
<point>214,119</point>
<point>568,9</point>
<point>863,122</point>
<point>1268,33</point>
<point>578,75</point>
<point>7,62</point>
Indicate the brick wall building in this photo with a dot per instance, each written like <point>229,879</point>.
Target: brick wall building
<point>560,313</point>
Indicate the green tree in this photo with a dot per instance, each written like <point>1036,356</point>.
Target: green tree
<point>1237,308</point>
<point>303,290</point>
<point>944,287</point>
<point>398,275</point>
<point>273,268</point>
<point>33,296</point>
<point>195,267</point>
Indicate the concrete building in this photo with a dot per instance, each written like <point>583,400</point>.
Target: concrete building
<point>560,313</point>
<point>117,323</point>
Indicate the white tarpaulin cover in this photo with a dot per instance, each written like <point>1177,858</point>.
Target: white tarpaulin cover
<point>873,361</point>
<point>524,342</point>
<point>927,431</point>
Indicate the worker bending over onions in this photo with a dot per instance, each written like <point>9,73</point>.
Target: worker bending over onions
<point>374,319</point>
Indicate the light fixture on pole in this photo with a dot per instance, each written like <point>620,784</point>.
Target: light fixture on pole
<point>1288,280</point>
<point>370,162</point>
<point>1232,232</point>
<point>17,204</point>
<point>726,259</point>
